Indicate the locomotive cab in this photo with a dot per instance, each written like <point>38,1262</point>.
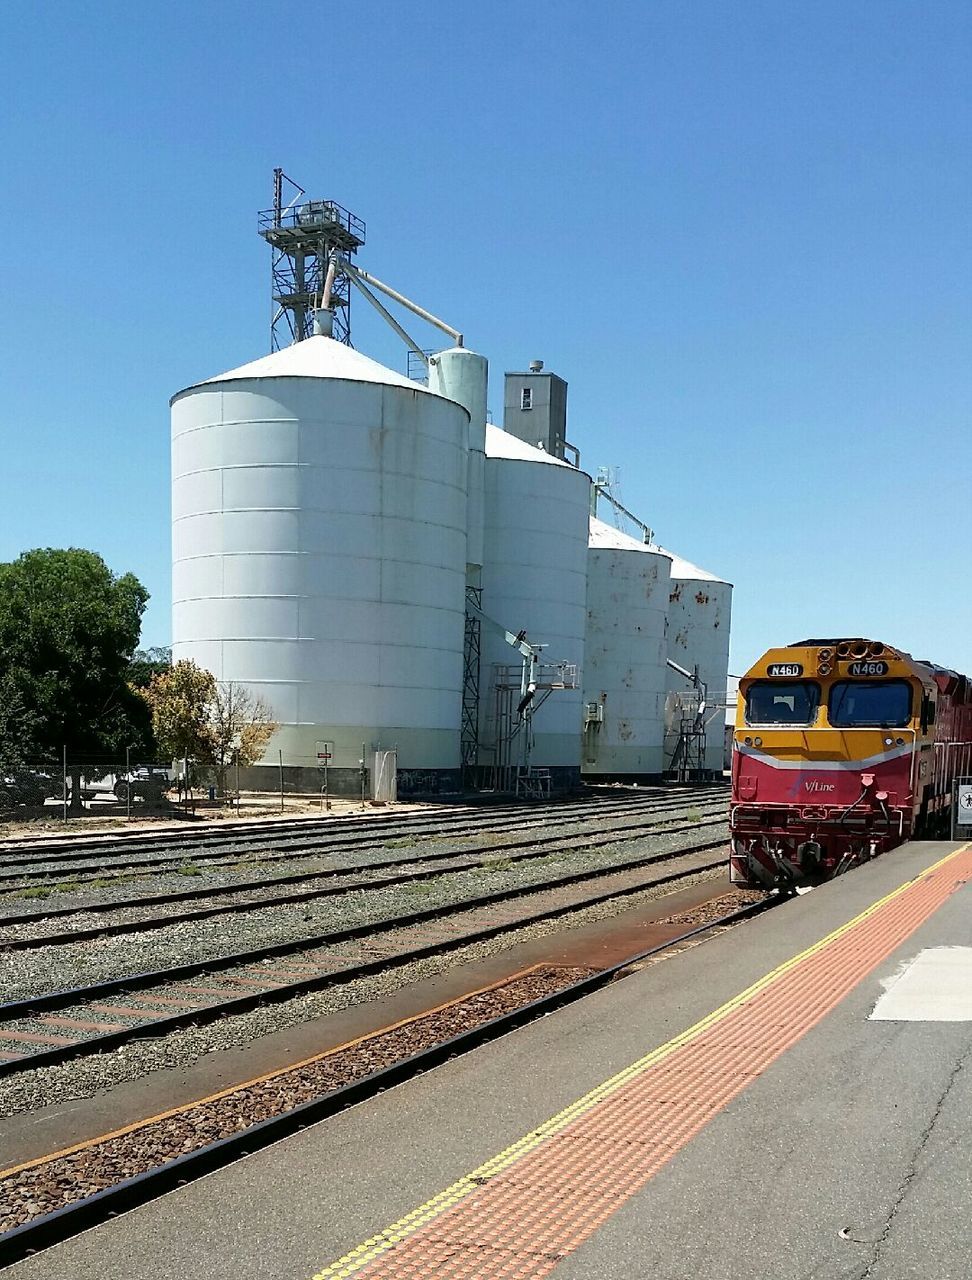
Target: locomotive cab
<point>832,759</point>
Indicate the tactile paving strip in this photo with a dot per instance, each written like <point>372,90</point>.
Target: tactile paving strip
<point>524,1211</point>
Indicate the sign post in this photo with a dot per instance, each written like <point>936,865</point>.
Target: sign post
<point>325,752</point>
<point>962,809</point>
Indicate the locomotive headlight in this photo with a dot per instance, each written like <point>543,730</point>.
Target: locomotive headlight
<point>899,742</point>
<point>889,742</point>
<point>748,742</point>
<point>757,742</point>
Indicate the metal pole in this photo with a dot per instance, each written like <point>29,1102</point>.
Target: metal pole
<point>280,759</point>
<point>332,265</point>
<point>327,798</point>
<point>64,781</point>
<point>384,312</point>
<point>128,783</point>
<point>358,275</point>
<point>238,784</point>
<point>600,490</point>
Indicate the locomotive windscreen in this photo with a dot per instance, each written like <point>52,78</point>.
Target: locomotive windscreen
<point>854,703</point>
<point>782,702</point>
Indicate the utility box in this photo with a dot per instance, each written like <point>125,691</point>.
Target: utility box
<point>535,408</point>
<point>384,777</point>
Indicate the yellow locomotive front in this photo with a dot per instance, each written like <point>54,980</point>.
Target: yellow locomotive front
<point>827,759</point>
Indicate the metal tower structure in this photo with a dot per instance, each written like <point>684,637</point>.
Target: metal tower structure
<point>687,715</point>
<point>471,661</point>
<point>303,235</point>
<point>608,485</point>
<point>687,762</point>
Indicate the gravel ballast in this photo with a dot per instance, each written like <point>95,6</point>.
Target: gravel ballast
<point>101,879</point>
<point>44,1187</point>
<point>68,901</point>
<point>31,973</point>
<point>85,1077</point>
<point>52,1183</point>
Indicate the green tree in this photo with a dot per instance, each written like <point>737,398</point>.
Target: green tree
<point>147,663</point>
<point>240,725</point>
<point>180,699</point>
<point>18,727</point>
<point>68,630</point>
<point>216,725</point>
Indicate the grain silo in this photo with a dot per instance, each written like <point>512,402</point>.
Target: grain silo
<point>625,651</point>
<point>319,556</point>
<point>535,581</point>
<point>699,610</point>
<point>463,376</point>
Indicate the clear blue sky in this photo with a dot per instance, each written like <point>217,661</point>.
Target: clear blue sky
<point>741,231</point>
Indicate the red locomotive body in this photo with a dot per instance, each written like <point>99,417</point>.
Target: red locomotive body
<point>842,749</point>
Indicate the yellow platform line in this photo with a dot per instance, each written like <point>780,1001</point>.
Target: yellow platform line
<point>377,1245</point>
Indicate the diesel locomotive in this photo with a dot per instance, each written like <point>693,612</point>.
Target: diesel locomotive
<point>842,749</point>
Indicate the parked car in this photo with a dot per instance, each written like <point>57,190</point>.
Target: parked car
<point>148,782</point>
<point>22,787</point>
<point>52,784</point>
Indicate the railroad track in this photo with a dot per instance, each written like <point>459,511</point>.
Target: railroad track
<point>393,825</point>
<point>41,1030</point>
<point>280,828</point>
<point>272,828</point>
<point>421,867</point>
<point>16,873</point>
<point>147,1160</point>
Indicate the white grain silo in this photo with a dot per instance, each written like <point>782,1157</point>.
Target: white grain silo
<point>319,555</point>
<point>625,673</point>
<point>699,611</point>
<point>463,376</point>
<point>535,580</point>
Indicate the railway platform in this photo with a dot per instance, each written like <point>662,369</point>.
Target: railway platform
<point>789,1100</point>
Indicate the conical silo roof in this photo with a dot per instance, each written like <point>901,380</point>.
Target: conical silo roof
<point>691,572</point>
<point>317,357</point>
<point>501,444</point>
<point>604,537</point>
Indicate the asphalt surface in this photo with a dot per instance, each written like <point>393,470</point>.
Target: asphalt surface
<point>847,1160</point>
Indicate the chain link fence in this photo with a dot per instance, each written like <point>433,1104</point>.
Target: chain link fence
<point>120,784</point>
<point>129,785</point>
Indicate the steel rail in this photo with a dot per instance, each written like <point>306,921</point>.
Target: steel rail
<point>309,848</point>
<point>301,986</point>
<point>228,829</point>
<point>200,828</point>
<point>594,793</point>
<point>12,1009</point>
<point>60,1224</point>
<point>363,832</point>
<point>465,860</point>
<point>228,860</point>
